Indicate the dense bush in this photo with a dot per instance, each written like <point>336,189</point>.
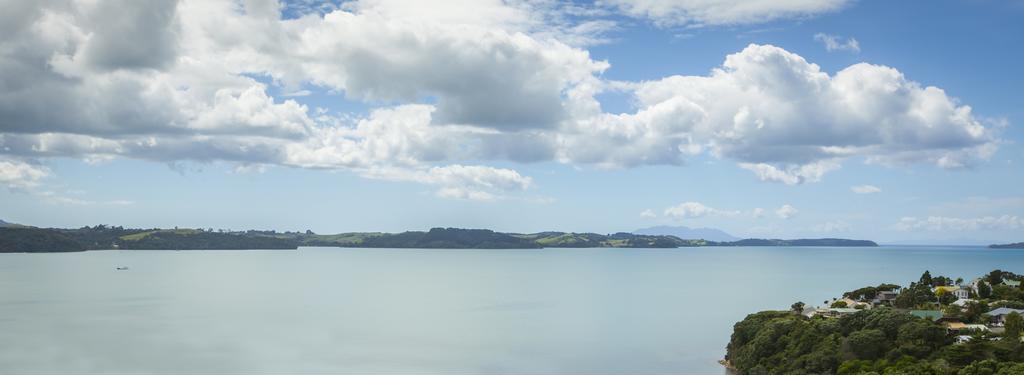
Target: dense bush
<point>877,341</point>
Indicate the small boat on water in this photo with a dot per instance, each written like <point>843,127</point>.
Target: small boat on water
<point>122,268</point>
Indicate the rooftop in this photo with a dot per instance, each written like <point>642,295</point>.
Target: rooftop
<point>1004,311</point>
<point>927,314</point>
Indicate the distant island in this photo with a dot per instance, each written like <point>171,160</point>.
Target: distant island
<point>935,325</point>
<point>1018,245</point>
<point>17,238</point>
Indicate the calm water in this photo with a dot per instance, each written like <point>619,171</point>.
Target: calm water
<point>374,311</point>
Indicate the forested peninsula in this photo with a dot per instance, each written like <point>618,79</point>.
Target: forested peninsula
<point>1018,245</point>
<point>935,326</point>
<point>16,238</point>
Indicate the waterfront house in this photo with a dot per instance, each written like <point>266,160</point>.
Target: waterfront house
<point>955,326</point>
<point>957,291</point>
<point>885,297</point>
<point>933,315</point>
<point>998,316</point>
<point>960,327</point>
<point>835,312</point>
<point>855,304</point>
<point>961,303</point>
<point>976,327</point>
<point>974,284</point>
<point>809,311</point>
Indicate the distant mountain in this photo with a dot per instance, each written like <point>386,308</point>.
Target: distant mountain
<point>1018,245</point>
<point>687,233</point>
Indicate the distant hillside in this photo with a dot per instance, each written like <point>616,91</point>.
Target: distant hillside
<point>708,234</point>
<point>798,242</point>
<point>456,238</point>
<point>448,238</point>
<point>579,240</point>
<point>4,224</point>
<point>103,237</point>
<point>1018,245</point>
<point>190,239</point>
<point>35,240</point>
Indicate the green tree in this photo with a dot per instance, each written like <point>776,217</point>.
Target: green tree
<point>984,290</point>
<point>919,338</point>
<point>797,308</point>
<point>1014,324</point>
<point>974,311</point>
<point>995,277</point>
<point>945,297</point>
<point>926,278</point>
<point>867,344</point>
<point>838,304</point>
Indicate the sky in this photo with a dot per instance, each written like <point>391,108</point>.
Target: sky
<point>892,121</point>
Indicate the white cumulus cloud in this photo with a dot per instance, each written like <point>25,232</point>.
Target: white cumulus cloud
<point>18,175</point>
<point>448,84</point>
<point>786,211</point>
<point>689,210</point>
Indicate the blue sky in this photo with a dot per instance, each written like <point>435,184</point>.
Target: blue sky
<point>373,116</point>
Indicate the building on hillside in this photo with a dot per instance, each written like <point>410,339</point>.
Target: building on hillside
<point>855,304</point>
<point>885,297</point>
<point>974,285</point>
<point>957,291</point>
<point>1013,283</point>
<point>962,303</point>
<point>933,315</point>
<point>998,316</point>
<point>809,311</point>
<point>976,327</point>
<point>835,312</point>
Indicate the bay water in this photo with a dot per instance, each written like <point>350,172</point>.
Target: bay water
<point>408,311</point>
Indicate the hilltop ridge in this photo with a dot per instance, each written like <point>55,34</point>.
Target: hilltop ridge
<point>102,237</point>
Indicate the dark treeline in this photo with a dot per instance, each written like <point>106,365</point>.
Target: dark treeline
<point>36,240</point>
<point>1018,245</point>
<point>450,238</point>
<point>101,237</point>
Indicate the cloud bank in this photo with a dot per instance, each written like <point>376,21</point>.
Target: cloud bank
<point>449,85</point>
